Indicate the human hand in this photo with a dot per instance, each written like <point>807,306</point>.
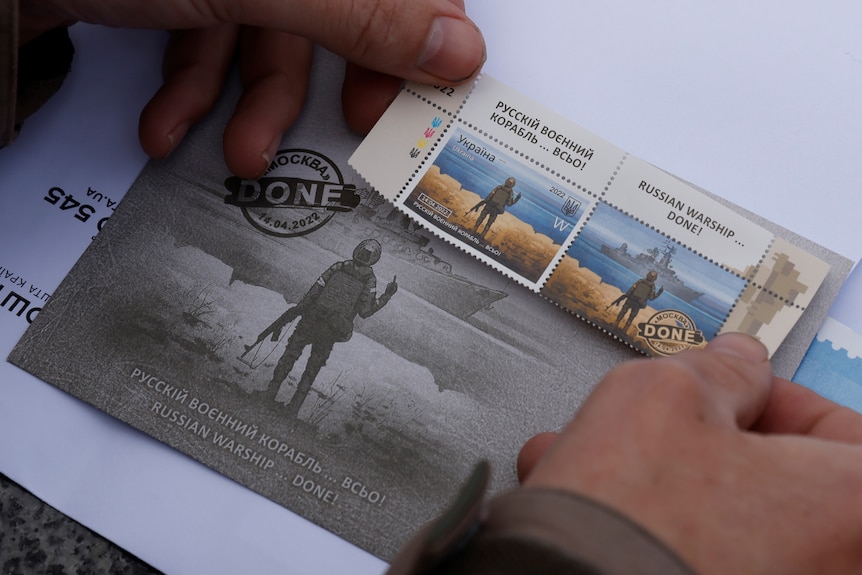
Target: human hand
<point>430,41</point>
<point>391,288</point>
<point>735,469</point>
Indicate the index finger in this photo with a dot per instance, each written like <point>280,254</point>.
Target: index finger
<point>794,409</point>
<point>728,383</point>
<point>645,412</point>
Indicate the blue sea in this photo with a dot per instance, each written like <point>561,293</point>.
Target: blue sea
<point>537,207</point>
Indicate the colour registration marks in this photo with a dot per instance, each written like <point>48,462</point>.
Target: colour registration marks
<point>624,245</point>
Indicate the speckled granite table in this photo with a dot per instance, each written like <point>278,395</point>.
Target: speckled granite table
<point>36,539</point>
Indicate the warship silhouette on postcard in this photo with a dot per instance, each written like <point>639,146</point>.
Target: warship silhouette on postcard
<point>418,268</point>
<point>657,260</point>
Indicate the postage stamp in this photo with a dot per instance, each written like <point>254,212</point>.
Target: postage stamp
<point>641,286</point>
<point>507,213</point>
<point>644,256</point>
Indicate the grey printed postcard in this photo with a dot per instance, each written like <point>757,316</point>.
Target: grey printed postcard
<point>303,337</point>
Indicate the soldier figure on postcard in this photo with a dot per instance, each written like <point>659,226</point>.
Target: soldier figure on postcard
<point>327,311</point>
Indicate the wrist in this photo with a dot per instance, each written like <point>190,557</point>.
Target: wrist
<point>536,530</point>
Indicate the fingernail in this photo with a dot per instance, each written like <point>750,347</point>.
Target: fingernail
<point>454,50</point>
<point>176,136</point>
<point>740,345</point>
<point>269,154</point>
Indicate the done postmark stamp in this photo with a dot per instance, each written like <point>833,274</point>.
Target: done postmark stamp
<point>640,254</point>
<point>299,193</point>
<point>670,331</point>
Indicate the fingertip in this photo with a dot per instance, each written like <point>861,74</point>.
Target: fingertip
<point>154,141</point>
<point>195,65</point>
<point>429,42</point>
<point>454,49</point>
<point>274,92</point>
<point>740,345</point>
<point>532,451</point>
<point>248,152</point>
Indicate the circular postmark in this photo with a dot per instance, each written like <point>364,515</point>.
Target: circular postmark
<point>670,331</point>
<point>300,191</point>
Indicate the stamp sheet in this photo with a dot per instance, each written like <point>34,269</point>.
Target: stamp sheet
<point>615,240</point>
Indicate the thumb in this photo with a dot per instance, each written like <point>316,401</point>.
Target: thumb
<point>429,41</point>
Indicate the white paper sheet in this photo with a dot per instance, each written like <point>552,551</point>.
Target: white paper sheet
<point>758,103</point>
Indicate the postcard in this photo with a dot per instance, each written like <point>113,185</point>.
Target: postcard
<point>310,339</point>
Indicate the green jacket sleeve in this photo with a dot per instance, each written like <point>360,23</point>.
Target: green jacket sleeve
<point>530,531</point>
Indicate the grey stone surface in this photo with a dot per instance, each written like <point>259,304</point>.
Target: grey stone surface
<point>36,539</point>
